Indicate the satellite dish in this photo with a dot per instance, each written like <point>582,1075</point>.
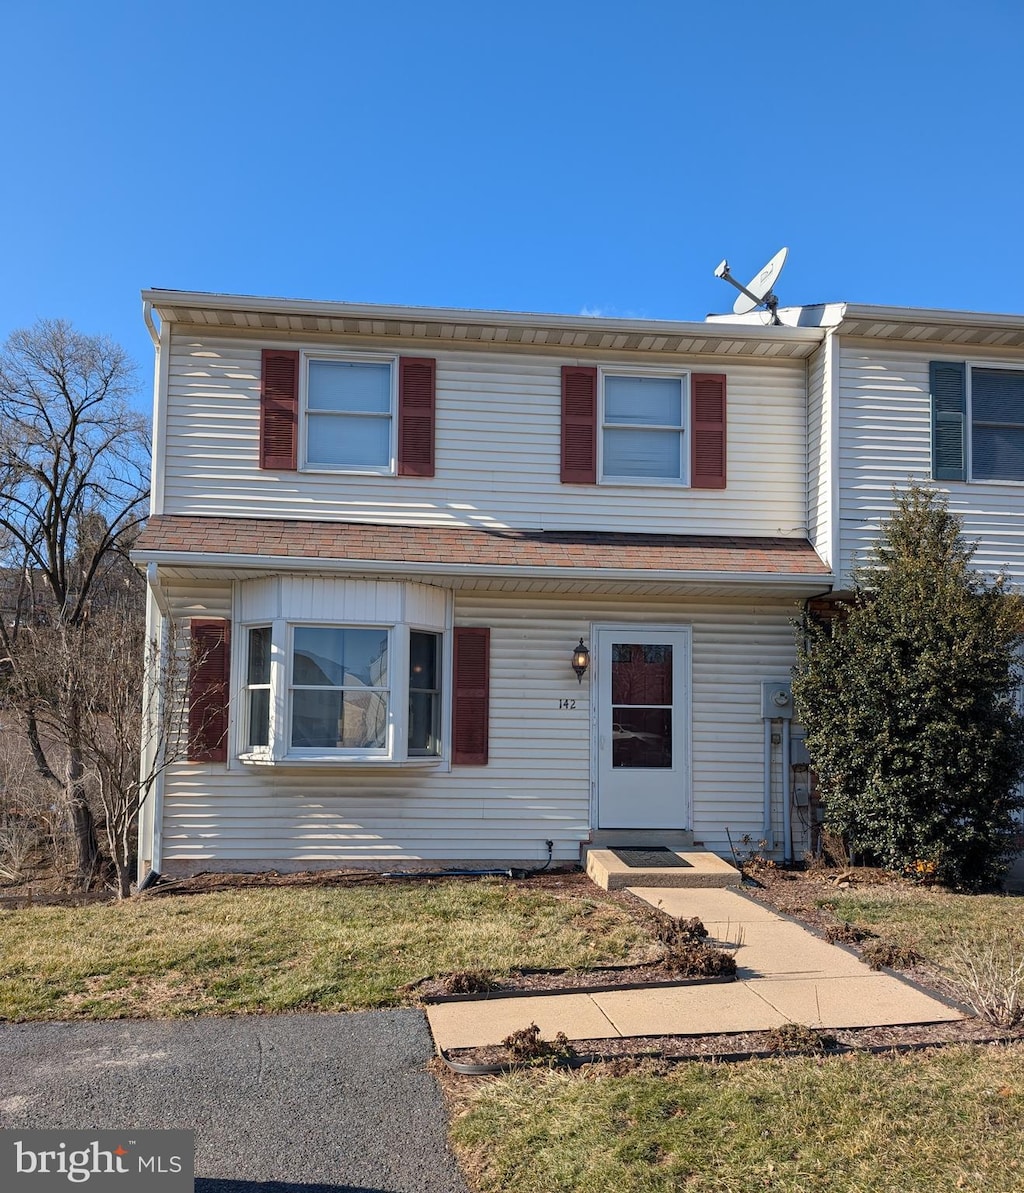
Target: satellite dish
<point>759,292</point>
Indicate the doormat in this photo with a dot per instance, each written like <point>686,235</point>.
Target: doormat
<point>649,857</point>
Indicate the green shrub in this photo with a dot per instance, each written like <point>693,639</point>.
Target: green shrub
<point>909,701</point>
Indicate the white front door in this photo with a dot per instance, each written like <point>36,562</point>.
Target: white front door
<point>643,715</point>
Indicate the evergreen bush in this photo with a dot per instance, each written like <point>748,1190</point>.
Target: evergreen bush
<point>909,696</point>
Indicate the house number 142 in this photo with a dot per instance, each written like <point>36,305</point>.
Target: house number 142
<point>567,704</point>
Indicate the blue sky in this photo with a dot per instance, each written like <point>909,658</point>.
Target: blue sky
<point>572,156</point>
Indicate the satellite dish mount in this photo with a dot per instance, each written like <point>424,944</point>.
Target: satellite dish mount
<point>759,292</point>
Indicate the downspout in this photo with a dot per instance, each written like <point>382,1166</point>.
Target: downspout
<point>153,710</point>
<point>147,315</point>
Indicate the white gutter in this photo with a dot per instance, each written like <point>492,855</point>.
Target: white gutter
<point>147,315</point>
<point>153,580</point>
<point>307,563</point>
<point>161,299</point>
<point>930,315</point>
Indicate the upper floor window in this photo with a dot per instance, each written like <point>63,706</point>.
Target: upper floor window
<point>997,424</point>
<point>349,414</point>
<point>643,428</point>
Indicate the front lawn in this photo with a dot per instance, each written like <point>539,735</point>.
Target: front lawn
<point>940,1121</point>
<point>926,919</point>
<point>294,948</point>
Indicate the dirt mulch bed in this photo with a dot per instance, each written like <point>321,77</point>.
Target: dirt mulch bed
<point>556,981</point>
<point>744,1045</point>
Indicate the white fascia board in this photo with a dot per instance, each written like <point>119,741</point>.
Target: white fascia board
<point>930,316</point>
<point>315,563</point>
<point>161,299</point>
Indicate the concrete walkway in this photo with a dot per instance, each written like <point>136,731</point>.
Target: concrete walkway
<point>786,974</point>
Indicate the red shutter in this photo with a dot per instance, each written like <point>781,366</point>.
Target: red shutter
<point>579,425</point>
<point>471,699</point>
<point>279,410</point>
<point>416,416</point>
<point>707,430</point>
<point>208,684</point>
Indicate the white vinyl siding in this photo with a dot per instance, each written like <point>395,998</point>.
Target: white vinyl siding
<point>538,783</point>
<point>885,440</point>
<point>820,450</point>
<point>498,436</point>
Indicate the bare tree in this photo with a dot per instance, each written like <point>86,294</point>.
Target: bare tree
<point>96,695</point>
<point>73,457</point>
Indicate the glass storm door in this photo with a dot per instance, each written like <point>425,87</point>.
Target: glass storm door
<point>643,714</point>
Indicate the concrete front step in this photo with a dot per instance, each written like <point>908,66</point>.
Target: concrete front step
<point>702,869</point>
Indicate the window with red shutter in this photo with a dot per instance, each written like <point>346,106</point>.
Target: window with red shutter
<point>579,425</point>
<point>416,389</point>
<point>208,688</point>
<point>279,410</point>
<point>471,696</point>
<point>708,430</point>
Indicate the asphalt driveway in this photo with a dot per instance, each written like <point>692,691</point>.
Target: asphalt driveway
<point>303,1103</point>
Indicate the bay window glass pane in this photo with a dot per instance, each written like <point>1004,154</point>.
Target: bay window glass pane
<point>424,694</point>
<point>329,657</point>
<point>352,440</point>
<point>644,401</point>
<point>336,720</point>
<point>656,454</point>
<point>423,659</point>
<point>259,655</point>
<point>349,386</point>
<point>259,717</point>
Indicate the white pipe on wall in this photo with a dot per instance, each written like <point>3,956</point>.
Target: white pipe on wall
<point>767,834</point>
<point>787,797</point>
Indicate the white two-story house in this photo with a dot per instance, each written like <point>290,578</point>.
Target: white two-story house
<point>474,588</point>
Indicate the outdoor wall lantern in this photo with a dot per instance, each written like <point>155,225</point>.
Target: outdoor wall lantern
<point>580,661</point>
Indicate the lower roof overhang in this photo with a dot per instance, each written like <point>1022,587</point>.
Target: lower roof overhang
<point>213,548</point>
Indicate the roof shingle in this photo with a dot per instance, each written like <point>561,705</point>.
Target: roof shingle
<point>477,548</point>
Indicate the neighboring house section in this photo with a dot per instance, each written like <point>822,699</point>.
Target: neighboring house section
<point>383,531</point>
<point>933,396</point>
<point>900,394</point>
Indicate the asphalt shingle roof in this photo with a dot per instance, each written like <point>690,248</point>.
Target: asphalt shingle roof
<point>474,547</point>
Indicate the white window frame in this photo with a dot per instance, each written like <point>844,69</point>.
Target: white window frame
<point>1007,367</point>
<point>248,688</point>
<point>280,752</point>
<point>388,469</point>
<point>354,752</point>
<point>681,375</point>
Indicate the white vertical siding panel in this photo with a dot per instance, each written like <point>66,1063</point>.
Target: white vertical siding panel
<point>538,783</point>
<point>885,441</point>
<point>498,430</point>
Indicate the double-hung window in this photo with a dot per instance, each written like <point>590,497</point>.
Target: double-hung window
<point>349,414</point>
<point>643,428</point>
<point>997,424</point>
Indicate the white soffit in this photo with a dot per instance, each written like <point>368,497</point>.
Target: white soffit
<point>288,316</point>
